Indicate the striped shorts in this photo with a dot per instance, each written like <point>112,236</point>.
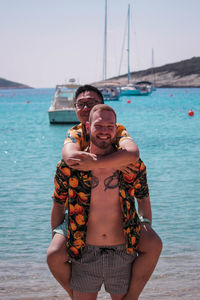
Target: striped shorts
<point>109,265</point>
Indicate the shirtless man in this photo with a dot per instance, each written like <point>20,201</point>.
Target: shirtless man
<point>104,232</point>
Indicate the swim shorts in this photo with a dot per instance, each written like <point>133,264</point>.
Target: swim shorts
<point>62,228</point>
<point>109,265</point>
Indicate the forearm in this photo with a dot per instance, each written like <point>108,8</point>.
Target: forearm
<point>57,215</point>
<point>117,159</point>
<point>144,208</point>
<point>70,151</point>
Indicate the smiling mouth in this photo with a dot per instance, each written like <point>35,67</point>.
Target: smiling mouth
<point>103,137</point>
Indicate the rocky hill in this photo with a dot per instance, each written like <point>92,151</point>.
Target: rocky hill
<point>7,84</point>
<point>185,73</point>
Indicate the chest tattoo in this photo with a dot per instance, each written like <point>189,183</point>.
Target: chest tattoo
<point>94,182</point>
<point>110,182</point>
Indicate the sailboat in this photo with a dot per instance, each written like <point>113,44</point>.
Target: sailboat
<point>109,89</point>
<point>141,88</point>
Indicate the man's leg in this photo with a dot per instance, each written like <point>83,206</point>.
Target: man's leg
<point>84,296</point>
<point>57,260</point>
<point>117,297</point>
<point>149,249</point>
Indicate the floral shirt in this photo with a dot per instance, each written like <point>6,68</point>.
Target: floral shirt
<point>73,188</point>
<point>77,134</point>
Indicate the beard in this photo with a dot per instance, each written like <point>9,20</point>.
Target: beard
<point>102,144</point>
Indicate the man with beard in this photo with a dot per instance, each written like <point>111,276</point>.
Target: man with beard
<point>103,228</point>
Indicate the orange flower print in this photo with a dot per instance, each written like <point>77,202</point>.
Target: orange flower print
<point>137,185</point>
<point>80,220</point>
<point>56,184</point>
<point>73,182</point>
<point>66,202</point>
<point>72,193</point>
<point>137,229</point>
<point>129,250</point>
<point>133,240</point>
<point>73,226</point>
<point>78,235</point>
<point>78,209</point>
<point>87,180</point>
<point>71,209</point>
<point>74,250</point>
<point>131,192</point>
<point>82,197</point>
<point>137,165</point>
<point>128,205</point>
<point>66,171</point>
<point>142,166</point>
<point>123,194</point>
<point>79,243</point>
<point>129,177</point>
<point>62,197</point>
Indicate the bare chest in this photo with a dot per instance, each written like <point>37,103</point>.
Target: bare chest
<point>105,188</point>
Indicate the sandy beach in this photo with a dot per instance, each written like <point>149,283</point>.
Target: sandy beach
<point>34,281</point>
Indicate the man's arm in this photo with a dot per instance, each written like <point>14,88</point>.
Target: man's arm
<point>144,208</point>
<point>80,160</point>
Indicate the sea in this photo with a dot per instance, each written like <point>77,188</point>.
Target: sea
<point>169,143</point>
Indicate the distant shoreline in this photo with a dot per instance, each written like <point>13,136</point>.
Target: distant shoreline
<point>183,74</point>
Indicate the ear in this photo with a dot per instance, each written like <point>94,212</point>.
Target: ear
<point>87,126</point>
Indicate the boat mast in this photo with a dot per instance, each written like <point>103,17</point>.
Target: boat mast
<point>152,69</point>
<point>128,50</point>
<point>105,45</point>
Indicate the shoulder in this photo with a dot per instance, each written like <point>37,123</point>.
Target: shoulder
<point>120,127</point>
<point>76,128</point>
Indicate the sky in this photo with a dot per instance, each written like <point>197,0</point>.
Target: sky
<point>47,42</point>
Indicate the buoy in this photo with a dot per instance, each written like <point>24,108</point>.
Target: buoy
<point>27,101</point>
<point>191,113</point>
<point>128,101</point>
<point>171,95</point>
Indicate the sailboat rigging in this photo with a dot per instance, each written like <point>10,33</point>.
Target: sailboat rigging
<point>140,88</point>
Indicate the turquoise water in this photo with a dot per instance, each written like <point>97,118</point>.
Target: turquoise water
<point>29,149</point>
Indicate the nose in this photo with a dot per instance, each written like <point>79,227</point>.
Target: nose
<point>104,129</point>
<point>85,107</point>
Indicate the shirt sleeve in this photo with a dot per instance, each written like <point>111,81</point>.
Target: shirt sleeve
<point>140,184</point>
<point>73,135</point>
<point>122,134</point>
<point>60,194</point>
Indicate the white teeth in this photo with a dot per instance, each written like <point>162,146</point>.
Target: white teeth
<point>103,137</point>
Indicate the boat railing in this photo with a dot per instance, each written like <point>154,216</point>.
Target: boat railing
<point>63,103</point>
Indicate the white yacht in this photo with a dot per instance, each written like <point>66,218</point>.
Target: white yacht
<point>62,110</point>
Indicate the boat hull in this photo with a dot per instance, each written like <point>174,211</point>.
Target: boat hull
<point>65,116</point>
<point>133,93</point>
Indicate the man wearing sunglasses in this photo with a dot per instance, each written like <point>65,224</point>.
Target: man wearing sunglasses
<point>77,139</point>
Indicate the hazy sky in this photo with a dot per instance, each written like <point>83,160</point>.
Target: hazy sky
<point>47,42</point>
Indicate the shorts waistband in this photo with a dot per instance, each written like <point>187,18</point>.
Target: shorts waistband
<point>105,248</point>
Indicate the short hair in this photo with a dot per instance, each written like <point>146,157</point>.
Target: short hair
<point>87,87</point>
<point>101,107</point>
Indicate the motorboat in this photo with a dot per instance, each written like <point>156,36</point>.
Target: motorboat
<point>141,88</point>
<point>62,110</point>
<point>109,90</point>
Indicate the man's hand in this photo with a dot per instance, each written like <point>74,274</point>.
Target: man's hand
<point>83,162</point>
<point>129,169</point>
